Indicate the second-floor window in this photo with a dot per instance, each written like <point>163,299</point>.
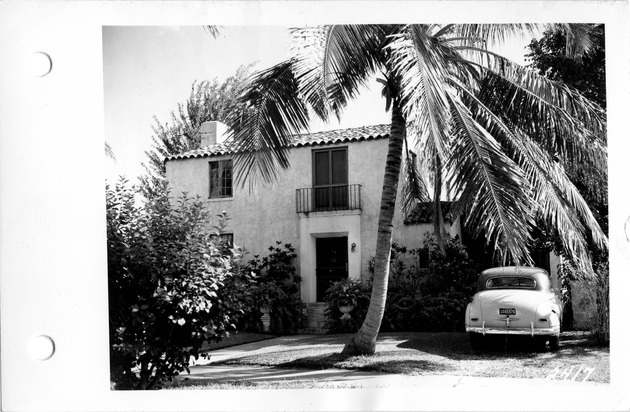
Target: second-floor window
<point>330,178</point>
<point>220,179</point>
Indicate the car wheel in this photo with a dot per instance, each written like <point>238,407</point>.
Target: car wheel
<point>476,341</point>
<point>554,343</point>
<point>540,343</point>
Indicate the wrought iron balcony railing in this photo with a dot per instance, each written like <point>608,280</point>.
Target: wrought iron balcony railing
<point>328,198</point>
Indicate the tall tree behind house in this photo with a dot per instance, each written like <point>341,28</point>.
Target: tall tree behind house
<point>208,100</point>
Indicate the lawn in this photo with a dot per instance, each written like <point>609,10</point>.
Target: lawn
<point>235,339</point>
<point>414,353</point>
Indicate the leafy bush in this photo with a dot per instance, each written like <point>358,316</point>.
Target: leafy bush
<point>449,287</point>
<point>450,268</point>
<point>171,289</point>
<point>433,297</point>
<point>601,328</point>
<point>587,299</point>
<point>277,286</point>
<point>430,298</point>
<point>343,293</point>
<point>405,280</point>
<point>443,312</point>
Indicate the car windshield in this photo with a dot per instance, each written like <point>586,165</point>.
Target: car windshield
<point>511,282</point>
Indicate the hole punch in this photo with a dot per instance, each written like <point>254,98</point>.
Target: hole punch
<point>40,64</point>
<point>41,347</point>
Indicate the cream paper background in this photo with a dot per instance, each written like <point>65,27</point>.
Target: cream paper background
<point>52,204</point>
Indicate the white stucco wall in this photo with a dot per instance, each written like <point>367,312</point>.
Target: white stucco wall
<point>267,213</point>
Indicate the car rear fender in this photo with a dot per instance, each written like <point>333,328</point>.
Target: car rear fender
<point>548,314</point>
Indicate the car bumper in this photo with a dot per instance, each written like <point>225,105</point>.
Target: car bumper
<point>532,331</point>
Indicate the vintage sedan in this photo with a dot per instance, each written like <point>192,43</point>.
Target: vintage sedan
<point>515,300</point>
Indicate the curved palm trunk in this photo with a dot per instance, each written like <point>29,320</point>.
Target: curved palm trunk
<point>364,342</point>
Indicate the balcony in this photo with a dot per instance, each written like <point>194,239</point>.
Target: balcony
<point>329,198</point>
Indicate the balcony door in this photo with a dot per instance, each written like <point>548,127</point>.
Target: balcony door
<point>330,179</point>
<point>332,262</point>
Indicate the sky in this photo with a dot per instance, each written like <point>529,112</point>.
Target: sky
<point>148,70</point>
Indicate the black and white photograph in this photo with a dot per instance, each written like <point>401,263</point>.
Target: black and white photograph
<point>267,241</point>
<point>286,214</point>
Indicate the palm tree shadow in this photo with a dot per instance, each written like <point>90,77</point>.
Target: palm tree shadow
<point>341,361</point>
<point>456,346</point>
<point>326,361</point>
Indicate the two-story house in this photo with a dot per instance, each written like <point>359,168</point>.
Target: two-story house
<point>326,204</point>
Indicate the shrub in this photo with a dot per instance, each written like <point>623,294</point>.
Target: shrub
<point>405,280</point>
<point>343,293</point>
<point>277,286</point>
<point>450,267</point>
<point>443,312</point>
<point>601,327</point>
<point>589,298</point>
<point>433,297</point>
<point>430,298</point>
<point>171,289</point>
<point>450,284</point>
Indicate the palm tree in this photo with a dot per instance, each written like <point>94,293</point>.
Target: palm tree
<point>491,125</point>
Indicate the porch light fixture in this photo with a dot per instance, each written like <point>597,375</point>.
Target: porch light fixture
<point>353,247</point>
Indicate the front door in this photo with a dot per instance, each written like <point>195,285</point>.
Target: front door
<point>332,262</point>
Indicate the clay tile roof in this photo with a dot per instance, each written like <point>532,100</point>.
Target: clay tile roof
<point>329,137</point>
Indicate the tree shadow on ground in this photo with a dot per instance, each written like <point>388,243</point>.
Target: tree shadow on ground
<point>324,361</point>
<point>456,346</point>
<point>339,361</point>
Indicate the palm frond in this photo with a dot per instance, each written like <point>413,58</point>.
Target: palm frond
<point>421,66</point>
<point>491,187</point>
<point>109,152</point>
<point>557,116</point>
<point>212,30</point>
<point>331,63</point>
<point>489,34</point>
<point>414,187</point>
<point>559,202</point>
<point>580,38</point>
<point>261,133</point>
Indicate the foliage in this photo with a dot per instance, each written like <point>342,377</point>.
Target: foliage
<point>432,298</point>
<point>170,287</point>
<point>587,74</point>
<point>344,293</point>
<point>566,276</point>
<point>601,328</point>
<point>450,269</point>
<point>550,57</point>
<point>592,299</point>
<point>405,280</point>
<point>493,126</point>
<point>277,287</point>
<point>419,298</point>
<point>208,100</point>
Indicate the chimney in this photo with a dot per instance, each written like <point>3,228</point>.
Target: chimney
<point>212,133</point>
